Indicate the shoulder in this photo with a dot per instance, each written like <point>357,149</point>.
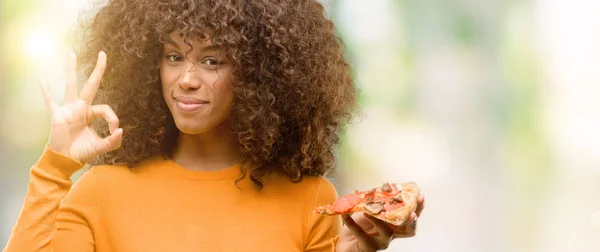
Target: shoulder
<point>108,172</point>
<point>322,190</point>
<point>115,174</point>
<point>311,189</point>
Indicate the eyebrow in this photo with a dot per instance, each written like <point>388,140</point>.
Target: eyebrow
<point>171,42</point>
<point>203,49</point>
<point>209,48</point>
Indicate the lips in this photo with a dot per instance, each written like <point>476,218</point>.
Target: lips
<point>189,104</point>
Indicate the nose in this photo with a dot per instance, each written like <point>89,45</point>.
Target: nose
<point>189,79</point>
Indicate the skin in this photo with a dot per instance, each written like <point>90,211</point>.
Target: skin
<point>71,132</point>
<point>193,75</point>
<point>190,75</point>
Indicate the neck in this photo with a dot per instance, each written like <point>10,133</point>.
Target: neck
<point>209,151</point>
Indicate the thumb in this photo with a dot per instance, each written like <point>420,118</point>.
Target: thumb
<point>109,143</point>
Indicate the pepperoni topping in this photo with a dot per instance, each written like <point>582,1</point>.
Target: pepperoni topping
<point>395,189</point>
<point>392,206</point>
<point>345,203</point>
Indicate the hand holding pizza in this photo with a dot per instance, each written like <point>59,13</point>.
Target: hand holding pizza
<point>382,214</point>
<point>365,233</point>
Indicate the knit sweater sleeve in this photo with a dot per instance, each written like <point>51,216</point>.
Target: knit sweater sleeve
<point>54,216</point>
<point>323,230</point>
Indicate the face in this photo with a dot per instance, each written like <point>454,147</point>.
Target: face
<point>196,84</point>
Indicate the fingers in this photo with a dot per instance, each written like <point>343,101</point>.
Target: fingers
<point>91,85</point>
<point>50,104</point>
<point>110,143</point>
<point>360,234</point>
<point>408,229</point>
<point>380,226</point>
<point>420,204</point>
<point>113,141</point>
<point>71,88</point>
<point>411,227</point>
<point>104,111</point>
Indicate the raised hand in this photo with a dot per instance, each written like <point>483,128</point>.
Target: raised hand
<point>71,132</point>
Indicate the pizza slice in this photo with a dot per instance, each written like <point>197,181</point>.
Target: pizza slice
<point>388,203</point>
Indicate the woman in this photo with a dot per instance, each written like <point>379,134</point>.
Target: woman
<point>221,119</point>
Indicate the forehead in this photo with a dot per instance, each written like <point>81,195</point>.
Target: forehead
<point>203,39</point>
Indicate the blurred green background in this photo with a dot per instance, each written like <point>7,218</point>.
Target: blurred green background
<point>490,105</point>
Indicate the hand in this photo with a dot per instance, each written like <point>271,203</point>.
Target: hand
<point>71,132</point>
<point>365,233</point>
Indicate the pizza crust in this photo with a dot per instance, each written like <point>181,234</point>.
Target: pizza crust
<point>410,191</point>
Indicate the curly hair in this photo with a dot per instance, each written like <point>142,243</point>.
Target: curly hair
<point>293,90</point>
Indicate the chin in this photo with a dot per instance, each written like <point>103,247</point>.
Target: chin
<point>191,128</point>
<point>196,124</point>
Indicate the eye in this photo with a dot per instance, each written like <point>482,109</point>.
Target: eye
<point>173,58</point>
<point>211,62</point>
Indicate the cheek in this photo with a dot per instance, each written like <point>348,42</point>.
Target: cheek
<point>224,89</point>
<point>168,78</point>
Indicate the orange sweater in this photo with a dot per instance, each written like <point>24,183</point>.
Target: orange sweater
<point>161,206</point>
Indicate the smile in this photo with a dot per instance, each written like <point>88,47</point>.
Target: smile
<point>189,104</point>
